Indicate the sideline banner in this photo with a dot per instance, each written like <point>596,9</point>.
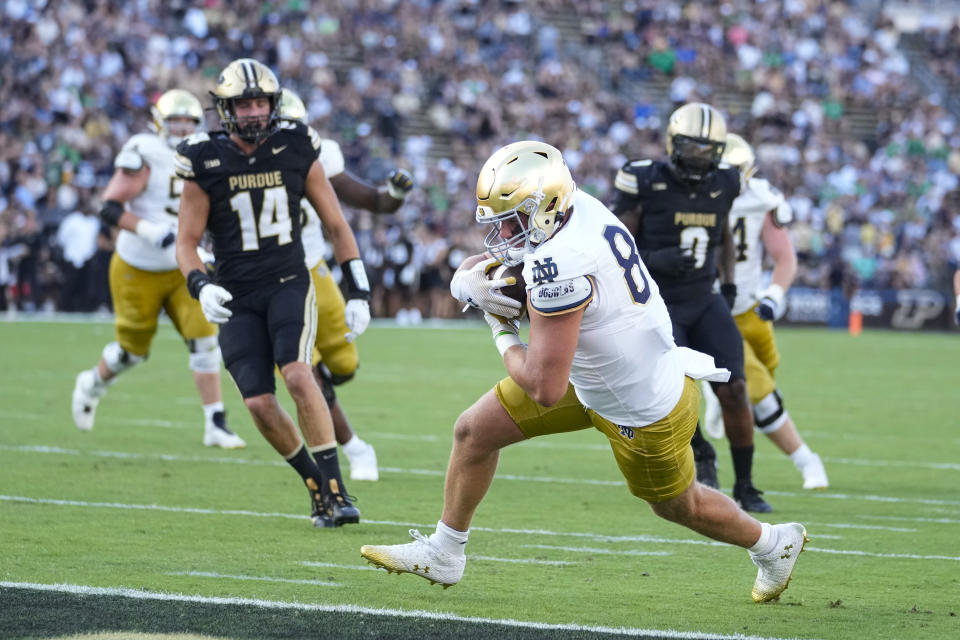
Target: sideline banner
<point>904,309</point>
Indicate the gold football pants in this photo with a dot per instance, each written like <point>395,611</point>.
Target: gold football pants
<point>139,295</point>
<point>331,346</point>
<point>656,460</point>
<point>760,355</point>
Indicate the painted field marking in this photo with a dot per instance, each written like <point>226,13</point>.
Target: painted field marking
<point>820,495</point>
<point>211,574</point>
<point>542,532</point>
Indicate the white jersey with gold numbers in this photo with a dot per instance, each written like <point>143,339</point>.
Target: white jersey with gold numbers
<point>331,159</point>
<point>159,202</point>
<point>747,214</point>
<point>626,366</point>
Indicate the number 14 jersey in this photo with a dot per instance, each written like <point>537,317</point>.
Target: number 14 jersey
<point>255,220</point>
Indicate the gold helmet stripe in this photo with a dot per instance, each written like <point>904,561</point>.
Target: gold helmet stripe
<point>249,74</point>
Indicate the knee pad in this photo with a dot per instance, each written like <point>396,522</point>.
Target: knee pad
<point>339,378</point>
<point>204,354</point>
<point>325,378</point>
<point>119,360</point>
<point>769,414</point>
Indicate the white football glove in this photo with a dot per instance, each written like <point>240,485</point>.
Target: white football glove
<point>159,235</point>
<point>770,306</point>
<point>357,315</point>
<point>506,331</point>
<point>472,287</point>
<point>212,298</point>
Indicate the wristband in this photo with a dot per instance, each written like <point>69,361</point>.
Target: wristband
<point>196,280</point>
<point>505,340</point>
<point>111,212</point>
<point>355,279</point>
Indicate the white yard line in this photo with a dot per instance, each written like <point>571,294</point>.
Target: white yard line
<point>139,594</point>
<point>439,473</point>
<point>211,574</point>
<point>527,532</point>
<point>612,552</point>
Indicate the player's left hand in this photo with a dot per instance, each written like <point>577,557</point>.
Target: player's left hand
<point>770,307</point>
<point>357,315</point>
<point>399,184</point>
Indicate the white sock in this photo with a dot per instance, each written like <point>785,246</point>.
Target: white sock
<point>353,446</point>
<point>210,409</point>
<point>98,383</point>
<point>801,456</point>
<point>449,540</point>
<point>767,541</point>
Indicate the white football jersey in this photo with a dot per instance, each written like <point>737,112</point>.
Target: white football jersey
<point>626,366</point>
<point>159,202</point>
<point>331,159</point>
<point>747,214</point>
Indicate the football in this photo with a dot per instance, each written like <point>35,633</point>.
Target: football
<point>517,291</point>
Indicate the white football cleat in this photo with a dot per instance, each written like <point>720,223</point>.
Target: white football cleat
<point>419,557</point>
<point>776,567</point>
<point>814,475</point>
<point>216,433</point>
<point>363,464</point>
<point>712,414</point>
<point>86,397</point>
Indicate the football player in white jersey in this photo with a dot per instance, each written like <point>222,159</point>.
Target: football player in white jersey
<point>142,199</point>
<point>335,358</point>
<point>601,354</point>
<point>757,220</point>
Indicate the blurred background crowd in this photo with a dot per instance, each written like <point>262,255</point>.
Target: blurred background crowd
<point>851,107</point>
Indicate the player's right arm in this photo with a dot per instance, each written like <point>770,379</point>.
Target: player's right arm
<point>194,211</point>
<point>128,181</point>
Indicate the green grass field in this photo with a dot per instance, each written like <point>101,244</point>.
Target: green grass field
<point>136,526</point>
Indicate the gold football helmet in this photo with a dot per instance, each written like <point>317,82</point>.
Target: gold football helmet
<point>739,154</point>
<point>696,136</point>
<point>527,188</point>
<point>292,107</point>
<point>176,103</point>
<point>241,79</point>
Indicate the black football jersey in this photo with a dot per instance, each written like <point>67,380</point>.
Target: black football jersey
<point>255,218</point>
<point>674,213</point>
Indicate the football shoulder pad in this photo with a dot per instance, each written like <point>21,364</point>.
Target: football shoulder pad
<point>562,296</point>
<point>632,176</point>
<point>331,157</point>
<point>186,159</point>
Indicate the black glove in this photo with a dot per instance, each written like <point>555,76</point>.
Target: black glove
<point>399,184</point>
<point>672,260</point>
<point>729,292</point>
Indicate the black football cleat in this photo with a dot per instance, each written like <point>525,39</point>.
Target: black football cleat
<point>705,459</point>
<point>340,510</point>
<point>749,497</point>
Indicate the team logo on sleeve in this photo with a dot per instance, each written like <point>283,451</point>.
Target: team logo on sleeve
<point>546,271</point>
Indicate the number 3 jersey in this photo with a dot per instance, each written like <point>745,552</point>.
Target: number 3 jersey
<point>626,366</point>
<point>255,220</point>
<point>676,214</point>
<point>158,202</point>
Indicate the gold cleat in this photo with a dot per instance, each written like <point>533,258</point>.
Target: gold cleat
<point>776,567</point>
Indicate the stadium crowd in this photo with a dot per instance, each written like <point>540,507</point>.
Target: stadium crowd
<point>435,85</point>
